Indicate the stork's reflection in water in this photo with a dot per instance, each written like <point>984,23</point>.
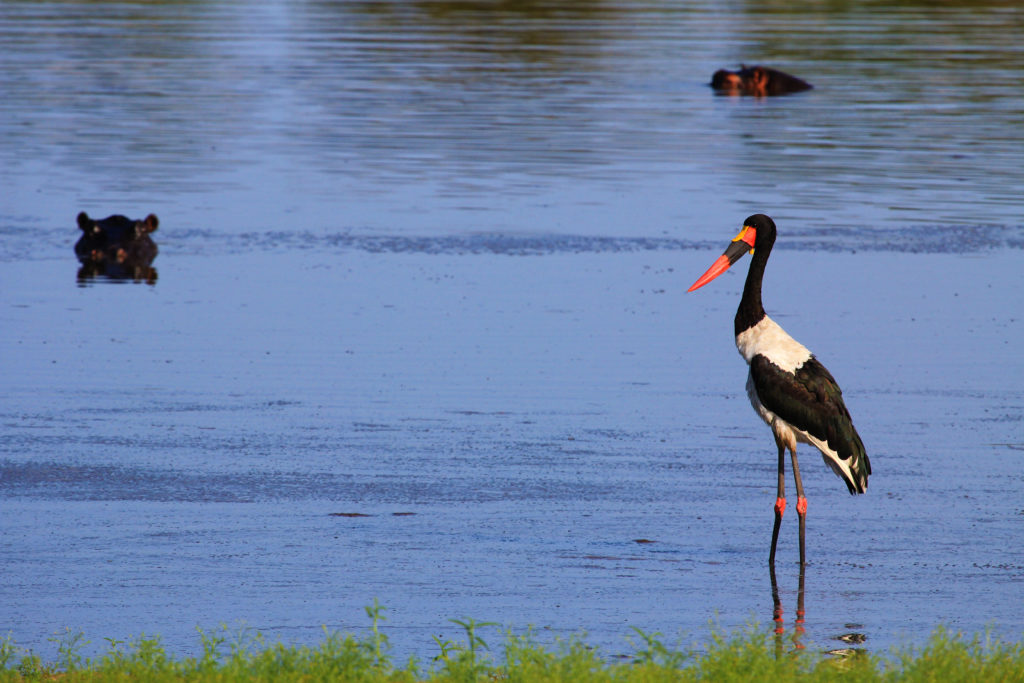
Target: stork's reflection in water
<point>778,614</point>
<point>798,631</point>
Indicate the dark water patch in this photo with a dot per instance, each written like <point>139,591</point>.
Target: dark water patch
<point>17,244</point>
<point>357,515</point>
<point>938,239</point>
<point>499,413</point>
<point>461,245</point>
<point>152,406</point>
<point>373,427</point>
<point>104,482</point>
<point>924,239</point>
<point>615,434</point>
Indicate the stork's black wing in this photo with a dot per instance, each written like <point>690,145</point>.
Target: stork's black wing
<point>810,400</point>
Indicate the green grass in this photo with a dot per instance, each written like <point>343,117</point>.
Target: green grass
<point>748,655</point>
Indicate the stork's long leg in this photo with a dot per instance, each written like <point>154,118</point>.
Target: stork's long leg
<point>780,500</point>
<point>801,504</point>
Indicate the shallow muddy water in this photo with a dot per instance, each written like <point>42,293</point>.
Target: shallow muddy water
<point>420,330</point>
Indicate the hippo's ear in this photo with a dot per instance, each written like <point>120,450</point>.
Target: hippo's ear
<point>151,222</point>
<point>84,222</point>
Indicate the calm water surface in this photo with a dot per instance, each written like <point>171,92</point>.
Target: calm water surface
<point>535,116</point>
<point>420,334</point>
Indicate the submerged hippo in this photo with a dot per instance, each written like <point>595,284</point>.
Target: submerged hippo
<point>117,247</point>
<point>759,81</point>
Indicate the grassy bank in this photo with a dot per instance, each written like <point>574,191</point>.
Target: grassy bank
<point>752,655</point>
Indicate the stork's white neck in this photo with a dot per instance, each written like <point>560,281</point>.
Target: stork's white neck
<point>766,338</point>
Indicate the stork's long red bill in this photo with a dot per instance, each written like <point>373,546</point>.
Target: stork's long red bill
<point>717,268</point>
<point>740,245</point>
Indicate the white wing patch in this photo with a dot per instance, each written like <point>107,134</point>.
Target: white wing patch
<point>772,342</point>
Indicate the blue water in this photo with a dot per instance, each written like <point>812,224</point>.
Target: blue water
<point>431,258</point>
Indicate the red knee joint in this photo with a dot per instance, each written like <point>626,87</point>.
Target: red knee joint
<point>801,505</point>
<point>780,506</point>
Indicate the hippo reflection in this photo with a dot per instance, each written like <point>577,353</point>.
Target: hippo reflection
<point>117,247</point>
<point>759,81</point>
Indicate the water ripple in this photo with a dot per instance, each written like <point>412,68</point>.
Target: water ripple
<point>948,239</point>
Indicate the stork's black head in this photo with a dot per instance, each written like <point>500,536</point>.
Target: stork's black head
<point>764,230</point>
<point>758,233</point>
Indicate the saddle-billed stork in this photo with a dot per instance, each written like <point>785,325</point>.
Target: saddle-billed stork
<point>788,387</point>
